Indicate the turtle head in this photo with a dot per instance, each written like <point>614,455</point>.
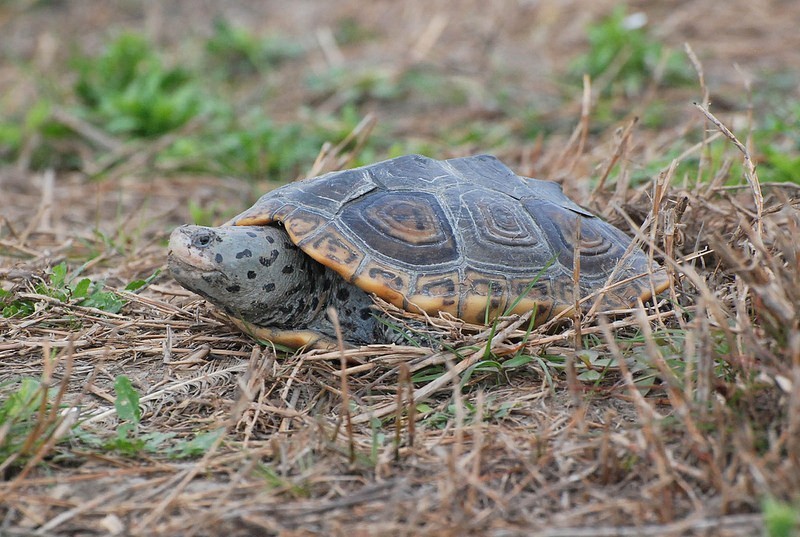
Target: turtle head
<point>252,272</point>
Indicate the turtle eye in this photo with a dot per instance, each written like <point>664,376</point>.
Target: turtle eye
<point>201,239</point>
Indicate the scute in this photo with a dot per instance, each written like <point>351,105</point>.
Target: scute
<point>410,230</point>
<point>333,249</point>
<point>467,236</point>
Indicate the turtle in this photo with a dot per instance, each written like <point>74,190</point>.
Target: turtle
<point>465,236</point>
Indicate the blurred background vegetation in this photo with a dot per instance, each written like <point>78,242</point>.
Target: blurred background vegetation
<point>254,92</point>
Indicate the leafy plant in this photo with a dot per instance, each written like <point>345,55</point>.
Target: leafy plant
<point>496,366</point>
<point>201,216</point>
<point>49,140</point>
<point>130,440</point>
<point>778,141</point>
<point>69,289</point>
<point>426,87</point>
<point>254,147</point>
<point>11,137</point>
<point>260,148</point>
<point>621,49</point>
<point>127,405</point>
<point>129,91</point>
<point>22,427</point>
<point>350,30</point>
<point>780,519</point>
<point>196,446</point>
<point>355,88</point>
<point>440,419</point>
<point>239,53</point>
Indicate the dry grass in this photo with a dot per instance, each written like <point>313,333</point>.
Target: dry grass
<point>343,442</point>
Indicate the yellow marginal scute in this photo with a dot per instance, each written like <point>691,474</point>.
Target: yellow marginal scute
<point>421,303</point>
<point>264,213</point>
<point>390,284</point>
<point>661,281</point>
<point>626,293</point>
<point>254,220</point>
<point>481,292</point>
<point>441,290</point>
<point>331,248</point>
<point>302,223</point>
<point>473,309</point>
<point>544,310</point>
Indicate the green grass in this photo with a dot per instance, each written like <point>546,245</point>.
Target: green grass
<point>32,415</point>
<point>65,288</point>
<point>236,53</point>
<point>35,421</point>
<point>128,90</point>
<point>131,441</point>
<point>780,519</point>
<point>777,141</point>
<point>131,94</point>
<point>624,54</point>
<point>26,421</point>
<point>69,288</point>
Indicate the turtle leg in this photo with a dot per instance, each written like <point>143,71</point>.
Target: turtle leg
<point>295,339</point>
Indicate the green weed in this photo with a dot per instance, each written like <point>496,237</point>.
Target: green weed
<point>356,88</point>
<point>127,406</point>
<point>777,140</point>
<point>780,519</point>
<point>23,427</point>
<point>428,374</point>
<point>69,288</point>
<point>65,289</point>
<point>349,31</point>
<point>236,52</point>
<point>196,446</point>
<point>275,480</point>
<point>441,419</point>
<point>500,368</point>
<point>11,137</point>
<point>128,90</point>
<point>425,87</point>
<point>202,216</point>
<point>627,57</point>
<point>47,139</point>
<point>131,441</point>
<point>256,147</point>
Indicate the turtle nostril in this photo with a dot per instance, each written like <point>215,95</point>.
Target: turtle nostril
<point>201,239</point>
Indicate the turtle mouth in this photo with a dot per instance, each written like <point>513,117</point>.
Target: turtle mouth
<point>179,265</point>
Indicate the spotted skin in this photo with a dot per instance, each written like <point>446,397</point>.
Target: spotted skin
<point>219,264</point>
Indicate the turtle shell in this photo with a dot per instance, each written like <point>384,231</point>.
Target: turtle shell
<point>466,236</point>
